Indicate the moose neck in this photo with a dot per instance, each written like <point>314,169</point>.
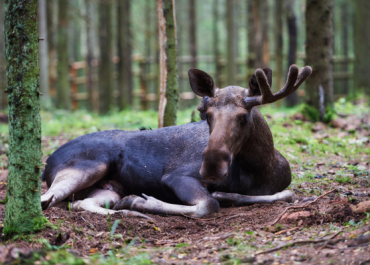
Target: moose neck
<point>258,150</point>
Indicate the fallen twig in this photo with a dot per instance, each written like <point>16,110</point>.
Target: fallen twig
<point>301,206</point>
<point>234,216</point>
<point>288,230</point>
<point>298,242</point>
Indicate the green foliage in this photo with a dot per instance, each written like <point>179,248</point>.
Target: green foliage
<point>25,226</point>
<point>310,112</point>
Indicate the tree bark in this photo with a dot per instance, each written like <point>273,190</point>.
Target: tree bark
<point>168,59</point>
<point>292,99</point>
<point>3,101</point>
<point>344,22</point>
<point>319,53</point>
<point>105,64</point>
<point>44,55</point>
<point>278,46</point>
<point>258,39</point>
<point>193,33</point>
<point>124,53</point>
<point>361,75</point>
<point>63,87</point>
<point>264,5</point>
<point>250,40</point>
<point>231,60</point>
<point>216,39</point>
<point>92,104</point>
<point>23,212</point>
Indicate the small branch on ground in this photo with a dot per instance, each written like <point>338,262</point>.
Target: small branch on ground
<point>288,230</point>
<point>302,206</point>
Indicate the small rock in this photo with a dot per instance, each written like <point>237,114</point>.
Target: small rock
<point>318,126</point>
<point>361,207</point>
<point>339,123</point>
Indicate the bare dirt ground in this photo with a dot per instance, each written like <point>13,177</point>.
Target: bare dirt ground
<point>325,232</point>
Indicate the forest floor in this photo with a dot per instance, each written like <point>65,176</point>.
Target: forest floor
<point>328,231</point>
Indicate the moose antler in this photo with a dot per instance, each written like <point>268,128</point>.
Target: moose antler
<point>295,79</point>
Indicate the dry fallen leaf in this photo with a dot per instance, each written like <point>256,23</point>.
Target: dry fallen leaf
<point>93,250</point>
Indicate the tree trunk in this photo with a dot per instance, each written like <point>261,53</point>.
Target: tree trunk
<point>292,99</point>
<point>361,75</point>
<point>3,101</point>
<point>168,60</point>
<point>23,212</point>
<point>92,104</point>
<point>63,87</point>
<point>264,5</point>
<point>124,53</point>
<point>43,58</point>
<point>52,28</point>
<point>216,39</point>
<point>250,40</point>
<point>193,33</point>
<point>344,22</point>
<point>319,54</point>
<point>278,46</point>
<point>231,60</point>
<point>258,40</point>
<point>105,64</point>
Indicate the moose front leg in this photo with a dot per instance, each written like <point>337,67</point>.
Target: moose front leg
<point>238,200</point>
<point>198,202</point>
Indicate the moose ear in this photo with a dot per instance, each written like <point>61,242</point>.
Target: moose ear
<point>254,89</point>
<point>201,83</point>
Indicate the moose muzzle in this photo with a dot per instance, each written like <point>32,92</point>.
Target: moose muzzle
<point>215,164</point>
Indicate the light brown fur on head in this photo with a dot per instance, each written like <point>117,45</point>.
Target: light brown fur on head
<point>228,112</point>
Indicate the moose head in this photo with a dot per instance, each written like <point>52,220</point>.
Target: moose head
<point>229,115</point>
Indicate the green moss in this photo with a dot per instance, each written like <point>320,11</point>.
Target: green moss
<point>25,226</point>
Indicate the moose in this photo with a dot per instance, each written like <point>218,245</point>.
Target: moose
<point>228,158</point>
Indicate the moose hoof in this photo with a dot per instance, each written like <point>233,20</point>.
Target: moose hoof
<point>287,196</point>
<point>128,202</point>
<point>45,204</point>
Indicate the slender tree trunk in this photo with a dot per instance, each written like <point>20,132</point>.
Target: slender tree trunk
<point>90,58</point>
<point>278,46</point>
<point>250,40</point>
<point>361,75</point>
<point>43,51</point>
<point>344,21</point>
<point>52,28</point>
<point>124,53</point>
<point>63,87</point>
<point>216,39</point>
<point>193,33</point>
<point>231,60</point>
<point>258,38</point>
<point>3,101</point>
<point>105,64</point>
<point>264,11</point>
<point>319,54</point>
<point>168,58</point>
<point>23,212</point>
<point>292,99</point>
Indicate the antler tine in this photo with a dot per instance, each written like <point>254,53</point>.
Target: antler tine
<point>295,79</point>
<point>289,85</point>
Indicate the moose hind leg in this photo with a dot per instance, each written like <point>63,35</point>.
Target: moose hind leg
<point>100,201</point>
<point>238,200</point>
<point>71,180</point>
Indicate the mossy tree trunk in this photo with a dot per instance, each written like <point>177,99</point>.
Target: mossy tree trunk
<point>361,43</point>
<point>319,54</point>
<point>105,63</point>
<point>3,101</point>
<point>23,212</point>
<point>64,100</point>
<point>169,79</point>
